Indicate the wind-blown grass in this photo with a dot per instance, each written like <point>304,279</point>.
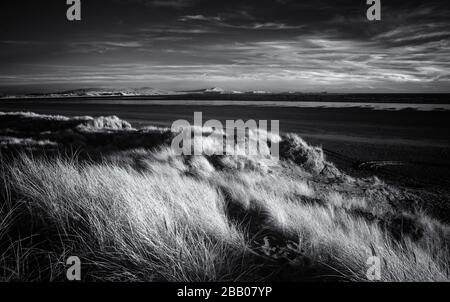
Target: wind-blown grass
<point>140,214</point>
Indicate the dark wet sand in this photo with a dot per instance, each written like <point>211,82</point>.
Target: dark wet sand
<point>416,143</point>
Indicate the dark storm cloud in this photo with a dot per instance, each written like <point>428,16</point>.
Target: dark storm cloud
<point>177,4</point>
<point>265,44</point>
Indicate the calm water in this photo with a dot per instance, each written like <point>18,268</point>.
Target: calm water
<point>295,104</point>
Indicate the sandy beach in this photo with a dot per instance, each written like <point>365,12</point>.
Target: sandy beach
<point>406,145</point>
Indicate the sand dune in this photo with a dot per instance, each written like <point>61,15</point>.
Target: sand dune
<point>120,199</point>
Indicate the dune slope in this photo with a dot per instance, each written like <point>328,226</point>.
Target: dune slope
<point>121,200</point>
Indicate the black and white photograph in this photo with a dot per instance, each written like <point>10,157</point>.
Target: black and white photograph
<point>213,141</point>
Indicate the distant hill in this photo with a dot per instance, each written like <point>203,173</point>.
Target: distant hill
<point>145,91</point>
<point>104,92</point>
<point>98,92</point>
<point>214,90</point>
<point>218,90</point>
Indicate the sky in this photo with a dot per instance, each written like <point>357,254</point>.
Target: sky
<point>273,45</point>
